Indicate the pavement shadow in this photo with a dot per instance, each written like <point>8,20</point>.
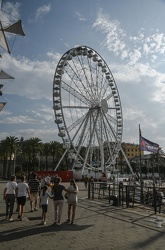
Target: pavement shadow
<point>23,232</point>
<point>146,243</point>
<point>34,218</point>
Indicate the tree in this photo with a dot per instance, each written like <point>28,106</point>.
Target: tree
<point>9,147</point>
<point>57,151</point>
<point>34,146</point>
<point>46,152</point>
<point>4,154</point>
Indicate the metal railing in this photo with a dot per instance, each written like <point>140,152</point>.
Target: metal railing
<point>128,195</point>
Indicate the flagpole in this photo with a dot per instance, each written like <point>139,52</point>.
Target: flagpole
<point>140,169</point>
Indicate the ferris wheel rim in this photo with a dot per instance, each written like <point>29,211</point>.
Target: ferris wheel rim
<point>59,108</point>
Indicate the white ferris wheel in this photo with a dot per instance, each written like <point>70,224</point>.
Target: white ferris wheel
<point>87,109</point>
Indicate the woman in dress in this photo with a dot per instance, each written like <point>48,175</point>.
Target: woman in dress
<point>72,201</point>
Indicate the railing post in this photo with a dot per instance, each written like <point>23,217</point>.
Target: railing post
<point>89,186</point>
<point>92,184</point>
<point>120,189</point>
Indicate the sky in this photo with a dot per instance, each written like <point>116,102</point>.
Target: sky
<point>128,34</point>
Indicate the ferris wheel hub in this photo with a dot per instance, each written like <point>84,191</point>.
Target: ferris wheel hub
<point>104,105</point>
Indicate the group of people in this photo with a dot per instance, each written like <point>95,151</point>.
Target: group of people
<point>39,192</point>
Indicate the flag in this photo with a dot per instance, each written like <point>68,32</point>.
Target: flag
<point>146,145</point>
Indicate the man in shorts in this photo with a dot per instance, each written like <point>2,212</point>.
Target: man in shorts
<point>35,188</point>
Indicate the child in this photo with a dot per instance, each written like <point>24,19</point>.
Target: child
<point>44,202</point>
<point>72,200</point>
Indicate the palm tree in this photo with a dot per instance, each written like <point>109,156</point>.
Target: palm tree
<point>46,153</point>
<point>34,146</point>
<point>56,150</point>
<point>4,154</point>
<point>9,147</point>
<point>13,143</point>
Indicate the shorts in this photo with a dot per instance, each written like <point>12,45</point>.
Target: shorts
<point>21,200</point>
<point>34,196</point>
<point>45,208</point>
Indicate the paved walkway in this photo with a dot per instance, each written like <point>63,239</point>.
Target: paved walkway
<point>98,225</point>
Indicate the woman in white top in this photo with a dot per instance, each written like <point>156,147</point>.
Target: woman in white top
<point>9,196</point>
<point>72,200</point>
<point>21,193</point>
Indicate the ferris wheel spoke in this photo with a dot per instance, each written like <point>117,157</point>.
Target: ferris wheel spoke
<point>112,130</point>
<point>87,87</point>
<point>90,139</point>
<point>75,93</point>
<point>76,123</point>
<point>111,119</point>
<point>83,134</point>
<point>90,73</point>
<point>77,77</point>
<point>107,133</point>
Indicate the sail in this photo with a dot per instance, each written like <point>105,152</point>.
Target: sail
<point>4,75</point>
<point>15,28</point>
<point>2,104</point>
<point>3,41</point>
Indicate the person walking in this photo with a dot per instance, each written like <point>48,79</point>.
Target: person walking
<point>58,200</point>
<point>44,196</point>
<point>85,181</point>
<point>22,192</point>
<point>9,197</point>
<point>35,188</point>
<point>72,201</point>
<point>43,181</point>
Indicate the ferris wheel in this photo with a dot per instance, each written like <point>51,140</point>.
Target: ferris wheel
<point>87,109</point>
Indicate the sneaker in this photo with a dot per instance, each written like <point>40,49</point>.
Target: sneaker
<point>68,221</point>
<point>31,210</point>
<point>72,222</point>
<point>35,209</point>
<point>59,223</point>
<point>19,216</point>
<point>11,219</point>
<point>44,222</point>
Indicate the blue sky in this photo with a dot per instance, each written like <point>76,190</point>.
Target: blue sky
<point>128,34</point>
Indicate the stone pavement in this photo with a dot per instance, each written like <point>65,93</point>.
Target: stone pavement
<point>98,225</point>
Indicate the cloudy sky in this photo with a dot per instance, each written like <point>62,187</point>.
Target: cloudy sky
<point>128,34</point>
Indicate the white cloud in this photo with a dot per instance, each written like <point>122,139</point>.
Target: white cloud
<point>80,17</point>
<point>18,120</point>
<point>38,75</point>
<point>43,10</point>
<point>114,34</point>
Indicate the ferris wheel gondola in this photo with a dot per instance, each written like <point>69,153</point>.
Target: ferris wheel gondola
<point>87,108</point>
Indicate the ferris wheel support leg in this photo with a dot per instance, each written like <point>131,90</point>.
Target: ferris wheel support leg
<point>61,160</point>
<point>129,165</point>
